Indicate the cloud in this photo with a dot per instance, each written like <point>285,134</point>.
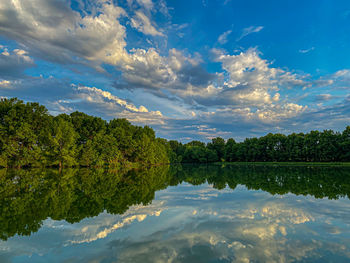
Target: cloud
<point>54,32</point>
<point>143,24</point>
<point>205,131</point>
<point>248,80</point>
<point>14,62</point>
<point>337,116</point>
<point>223,37</point>
<point>5,84</point>
<point>304,51</point>
<point>340,80</point>
<point>149,70</point>
<point>249,30</point>
<point>324,97</point>
<point>274,113</point>
<point>248,89</point>
<point>60,96</point>
<point>147,4</point>
<point>36,89</point>
<point>97,101</point>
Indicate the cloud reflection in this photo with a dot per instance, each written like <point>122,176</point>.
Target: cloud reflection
<point>223,226</point>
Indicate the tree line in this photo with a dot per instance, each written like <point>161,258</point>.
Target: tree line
<point>315,146</point>
<point>31,137</point>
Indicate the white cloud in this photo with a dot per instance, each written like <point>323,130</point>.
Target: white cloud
<point>109,106</point>
<point>14,62</point>
<point>304,51</point>
<point>250,80</point>
<point>96,95</point>
<point>148,69</point>
<point>249,30</point>
<point>55,32</point>
<point>273,113</point>
<point>223,37</point>
<point>143,24</point>
<point>324,97</point>
<point>5,83</point>
<point>147,4</point>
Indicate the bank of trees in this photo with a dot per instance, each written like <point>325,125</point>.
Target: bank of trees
<point>31,137</point>
<point>315,146</point>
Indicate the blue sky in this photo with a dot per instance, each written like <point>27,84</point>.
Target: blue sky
<point>190,69</point>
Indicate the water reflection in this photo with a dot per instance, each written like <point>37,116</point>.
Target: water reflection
<point>198,218</point>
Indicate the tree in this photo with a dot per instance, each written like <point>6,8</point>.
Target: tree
<point>62,143</point>
<point>345,145</point>
<point>123,131</point>
<point>102,149</point>
<point>218,146</point>
<point>87,126</point>
<point>230,150</point>
<point>22,127</point>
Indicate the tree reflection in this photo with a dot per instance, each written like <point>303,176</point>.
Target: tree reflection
<point>28,197</point>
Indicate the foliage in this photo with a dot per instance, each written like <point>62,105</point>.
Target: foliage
<point>30,137</point>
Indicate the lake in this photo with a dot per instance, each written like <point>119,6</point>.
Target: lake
<point>188,213</point>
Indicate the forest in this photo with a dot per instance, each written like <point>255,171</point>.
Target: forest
<point>31,137</point>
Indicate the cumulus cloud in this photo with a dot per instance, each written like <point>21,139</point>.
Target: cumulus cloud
<point>175,72</point>
<point>248,81</point>
<point>100,38</point>
<point>250,88</point>
<point>251,80</point>
<point>250,30</point>
<point>53,31</point>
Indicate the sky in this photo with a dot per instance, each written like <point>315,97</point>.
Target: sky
<point>192,70</point>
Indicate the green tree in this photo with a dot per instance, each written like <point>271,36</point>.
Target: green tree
<point>218,146</point>
<point>22,127</point>
<point>62,143</point>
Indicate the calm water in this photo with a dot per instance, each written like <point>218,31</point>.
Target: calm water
<point>176,214</point>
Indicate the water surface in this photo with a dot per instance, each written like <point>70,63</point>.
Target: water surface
<point>176,214</point>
